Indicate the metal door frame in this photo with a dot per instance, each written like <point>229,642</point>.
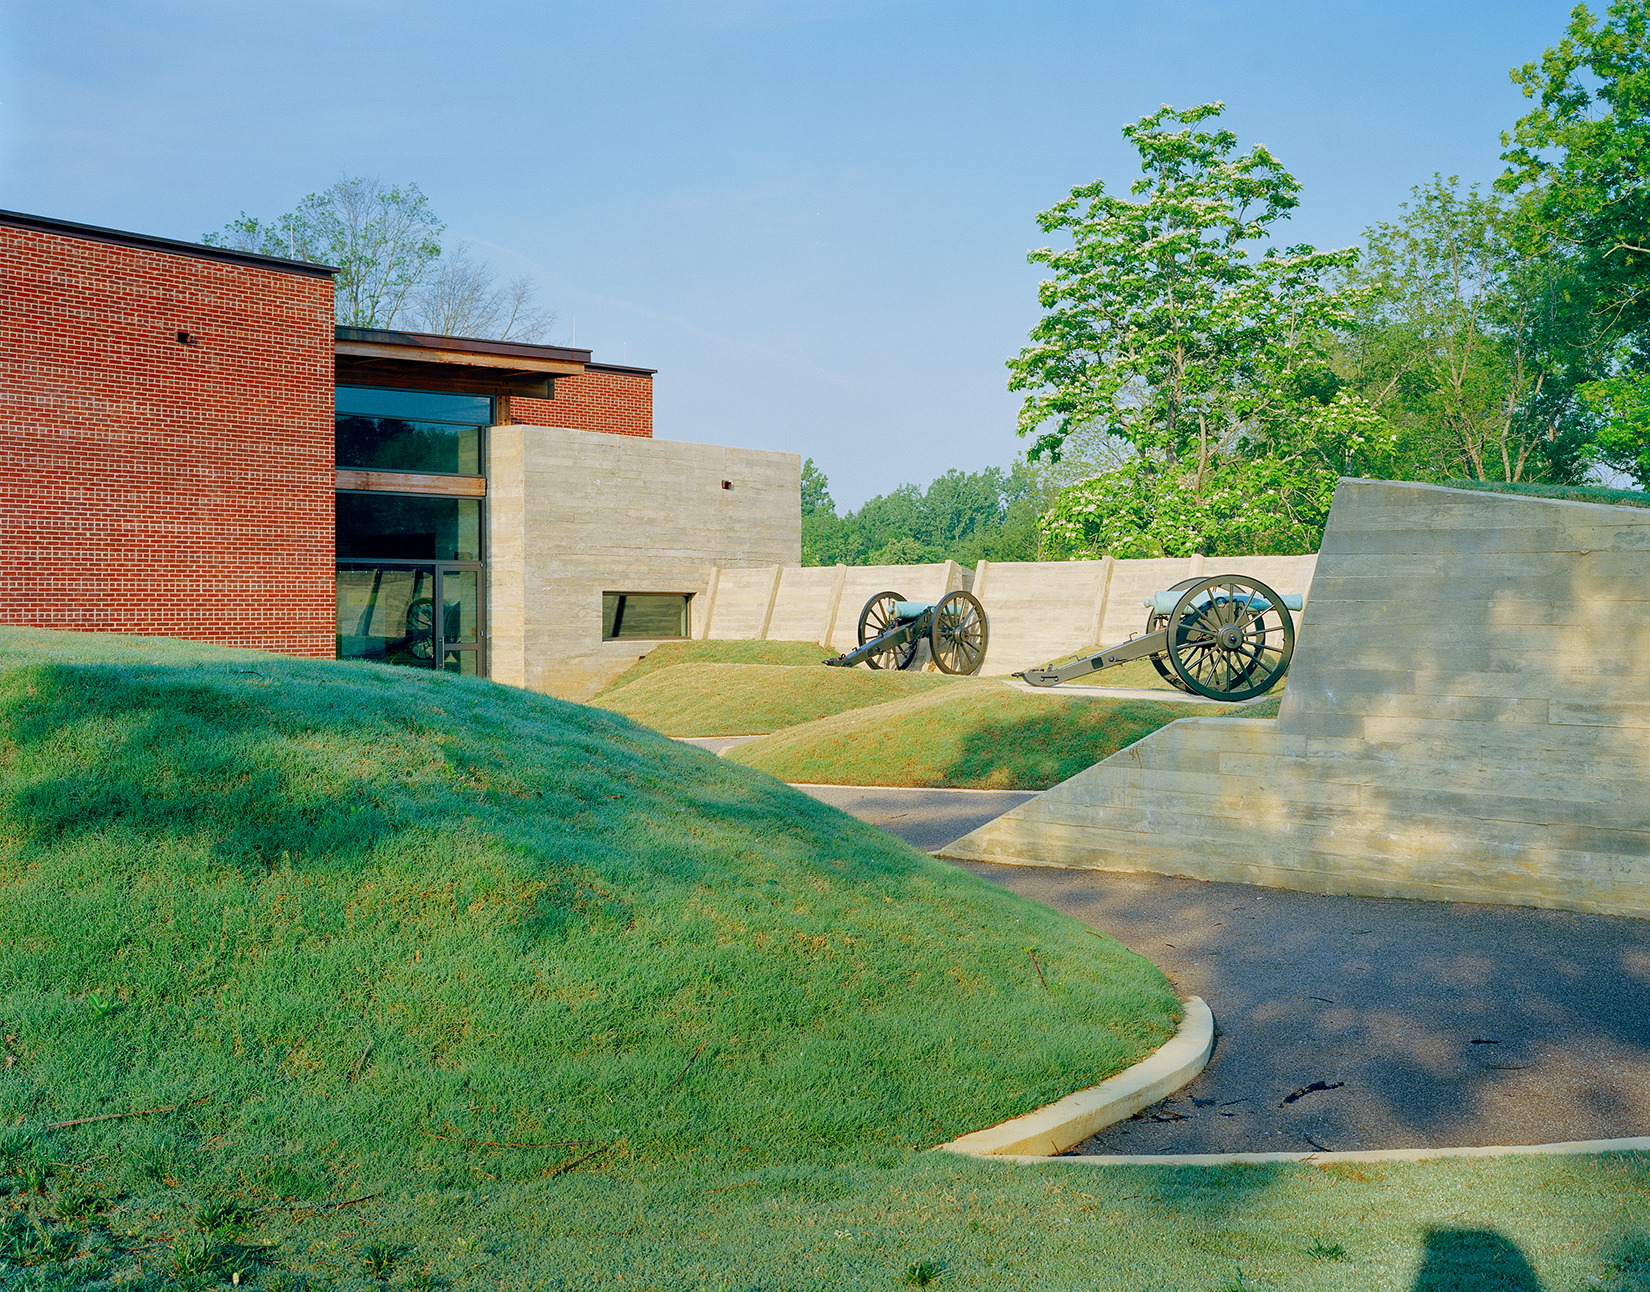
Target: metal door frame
<point>438,602</point>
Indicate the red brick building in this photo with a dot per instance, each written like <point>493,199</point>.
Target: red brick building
<point>191,448</point>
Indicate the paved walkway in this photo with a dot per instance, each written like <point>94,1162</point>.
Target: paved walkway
<point>926,819</point>
<point>1353,1023</point>
<point>1360,1023</point>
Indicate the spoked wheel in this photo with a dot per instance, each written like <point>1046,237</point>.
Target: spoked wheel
<point>1160,661</point>
<point>1230,638</point>
<point>959,633</point>
<point>877,618</point>
<point>420,637</point>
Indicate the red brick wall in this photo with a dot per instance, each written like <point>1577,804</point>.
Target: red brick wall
<point>620,403</point>
<point>152,487</point>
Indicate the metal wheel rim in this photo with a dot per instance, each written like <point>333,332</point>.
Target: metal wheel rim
<point>958,635</point>
<point>1265,639</point>
<point>879,616</point>
<point>1154,623</point>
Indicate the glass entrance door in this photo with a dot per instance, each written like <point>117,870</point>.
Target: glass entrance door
<point>422,614</point>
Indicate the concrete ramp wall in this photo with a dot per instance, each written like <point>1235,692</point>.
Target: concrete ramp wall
<point>1466,718</point>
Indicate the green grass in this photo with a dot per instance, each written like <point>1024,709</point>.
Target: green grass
<point>442,950</point>
<point>1567,493</point>
<point>748,700</point>
<point>670,654</point>
<point>980,736</point>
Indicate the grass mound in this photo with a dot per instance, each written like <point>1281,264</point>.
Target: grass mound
<point>982,737</point>
<point>670,654</point>
<point>368,931</point>
<point>749,700</point>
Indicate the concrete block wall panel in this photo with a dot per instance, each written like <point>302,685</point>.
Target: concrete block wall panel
<point>914,582</point>
<point>573,515</point>
<point>1038,611</point>
<point>1464,720</point>
<point>1131,583</point>
<point>157,487</point>
<point>802,609</point>
<point>744,600</point>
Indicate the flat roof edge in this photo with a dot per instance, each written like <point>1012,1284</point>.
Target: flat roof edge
<point>149,242</point>
<point>433,342</point>
<point>619,367</point>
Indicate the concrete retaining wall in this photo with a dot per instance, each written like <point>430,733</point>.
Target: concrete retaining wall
<point>1038,610</point>
<point>1466,718</point>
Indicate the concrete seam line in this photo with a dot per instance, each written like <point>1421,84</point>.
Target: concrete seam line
<point>1067,1122</point>
<point>1638,1144</point>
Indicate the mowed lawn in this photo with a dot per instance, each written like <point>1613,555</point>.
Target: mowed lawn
<point>985,736</point>
<point>753,699</point>
<point>373,933</point>
<point>319,976</point>
<point>864,726</point>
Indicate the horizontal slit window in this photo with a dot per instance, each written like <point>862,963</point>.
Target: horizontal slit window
<point>650,615</point>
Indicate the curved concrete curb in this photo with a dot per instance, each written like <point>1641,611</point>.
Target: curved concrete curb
<point>1640,1144</point>
<point>1069,1121</point>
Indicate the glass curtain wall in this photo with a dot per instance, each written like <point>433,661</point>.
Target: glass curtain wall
<point>410,575</point>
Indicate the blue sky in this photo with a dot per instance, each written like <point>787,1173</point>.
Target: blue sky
<point>811,217</point>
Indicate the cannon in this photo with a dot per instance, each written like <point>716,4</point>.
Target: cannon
<point>891,628</point>
<point>1229,637</point>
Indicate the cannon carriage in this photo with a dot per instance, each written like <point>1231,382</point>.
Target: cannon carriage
<point>892,628</point>
<point>1228,637</point>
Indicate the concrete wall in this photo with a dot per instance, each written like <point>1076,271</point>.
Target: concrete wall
<point>571,515</point>
<point>1466,719</point>
<point>1038,611</point>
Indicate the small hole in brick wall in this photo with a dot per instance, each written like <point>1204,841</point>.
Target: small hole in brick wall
<point>186,338</point>
<point>727,484</point>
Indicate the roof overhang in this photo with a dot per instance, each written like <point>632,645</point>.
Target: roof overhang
<point>368,353</point>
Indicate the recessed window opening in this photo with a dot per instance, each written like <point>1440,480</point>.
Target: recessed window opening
<point>650,615</point>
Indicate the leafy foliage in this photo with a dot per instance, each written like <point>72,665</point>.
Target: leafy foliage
<point>962,516</point>
<point>1471,341</point>
<point>1579,154</point>
<point>1160,325</point>
<point>1168,331</point>
<point>384,239</point>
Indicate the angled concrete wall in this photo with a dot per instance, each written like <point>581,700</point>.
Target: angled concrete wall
<point>1467,718</point>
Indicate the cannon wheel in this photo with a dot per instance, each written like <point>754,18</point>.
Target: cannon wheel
<point>1225,649</point>
<point>1160,661</point>
<point>877,618</point>
<point>959,633</point>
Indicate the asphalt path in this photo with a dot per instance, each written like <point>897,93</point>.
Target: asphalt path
<point>1352,1023</point>
<point>927,819</point>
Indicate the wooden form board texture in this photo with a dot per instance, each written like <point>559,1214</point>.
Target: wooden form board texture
<point>1467,718</point>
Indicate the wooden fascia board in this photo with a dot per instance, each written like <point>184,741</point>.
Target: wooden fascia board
<point>456,358</point>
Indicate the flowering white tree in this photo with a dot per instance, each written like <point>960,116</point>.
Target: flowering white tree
<point>1173,326</point>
